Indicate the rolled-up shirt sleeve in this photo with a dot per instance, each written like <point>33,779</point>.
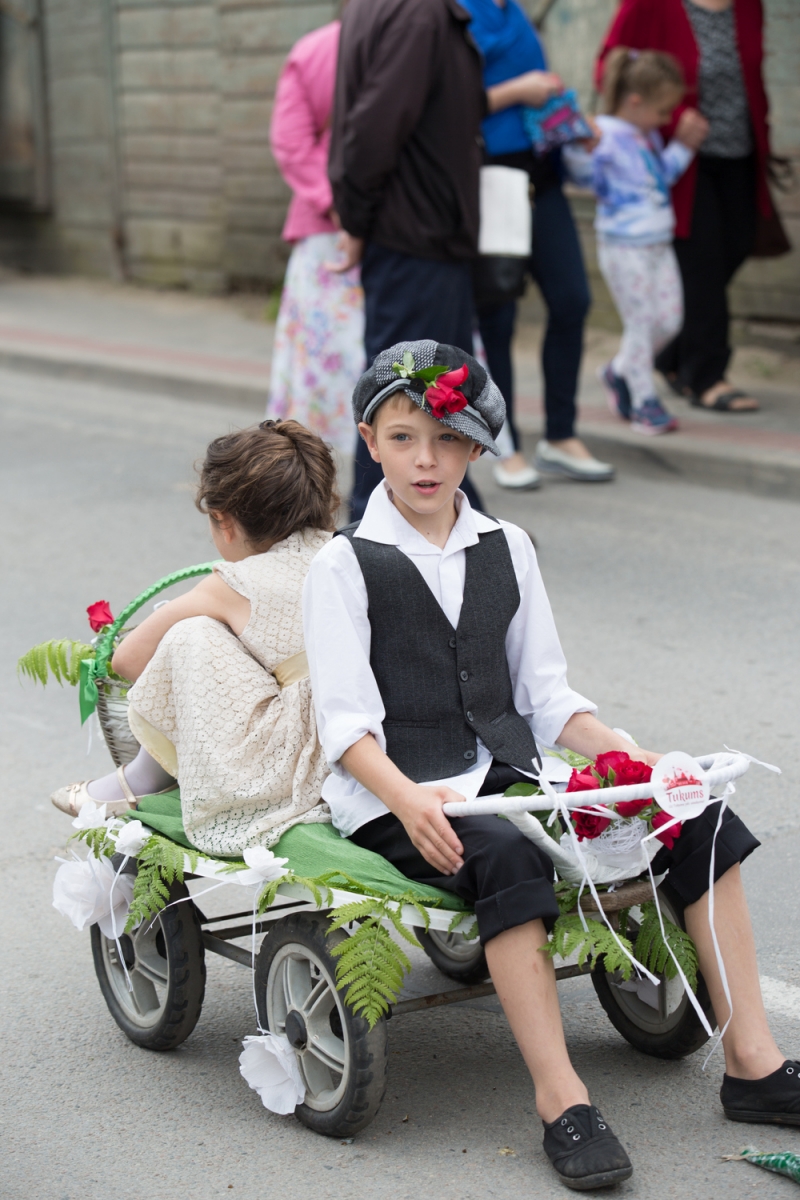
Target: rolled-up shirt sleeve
<point>337,634</point>
<point>536,661</point>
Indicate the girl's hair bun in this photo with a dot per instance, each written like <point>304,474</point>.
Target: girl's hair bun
<point>274,479</point>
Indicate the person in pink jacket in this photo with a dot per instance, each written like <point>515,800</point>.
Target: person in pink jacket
<point>319,339</point>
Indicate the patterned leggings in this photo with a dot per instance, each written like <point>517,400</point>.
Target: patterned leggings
<point>646,286</point>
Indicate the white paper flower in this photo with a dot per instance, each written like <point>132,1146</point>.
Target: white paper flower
<point>82,891</point>
<point>131,837</point>
<point>264,863</point>
<point>91,816</point>
<point>269,1064</point>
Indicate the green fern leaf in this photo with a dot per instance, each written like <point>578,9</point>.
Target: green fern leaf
<point>653,952</point>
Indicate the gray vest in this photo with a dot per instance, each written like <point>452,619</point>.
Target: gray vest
<point>442,686</point>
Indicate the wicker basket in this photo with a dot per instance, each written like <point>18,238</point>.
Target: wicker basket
<point>112,712</point>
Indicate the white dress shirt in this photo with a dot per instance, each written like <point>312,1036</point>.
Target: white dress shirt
<point>338,635</point>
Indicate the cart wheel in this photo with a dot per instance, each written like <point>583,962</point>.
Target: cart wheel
<point>454,955</point>
<point>672,1028</point>
<point>166,967</point>
<point>342,1061</point>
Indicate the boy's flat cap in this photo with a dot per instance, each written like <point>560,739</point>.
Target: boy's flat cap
<point>445,382</point>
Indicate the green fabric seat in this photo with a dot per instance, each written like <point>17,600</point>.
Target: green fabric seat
<point>312,850</point>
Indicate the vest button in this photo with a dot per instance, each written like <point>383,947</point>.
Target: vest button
<point>452,643</point>
<point>469,716</point>
<point>465,675</point>
<point>469,754</point>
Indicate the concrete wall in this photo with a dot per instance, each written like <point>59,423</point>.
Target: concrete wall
<point>159,114</point>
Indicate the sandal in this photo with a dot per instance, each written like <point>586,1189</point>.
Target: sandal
<point>71,799</point>
<point>722,402</point>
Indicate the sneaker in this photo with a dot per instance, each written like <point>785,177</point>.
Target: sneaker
<point>653,418</point>
<point>584,1151</point>
<point>525,480</point>
<point>773,1100</point>
<point>555,462</point>
<point>617,393</point>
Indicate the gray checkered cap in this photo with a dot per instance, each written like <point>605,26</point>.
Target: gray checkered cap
<point>481,420</point>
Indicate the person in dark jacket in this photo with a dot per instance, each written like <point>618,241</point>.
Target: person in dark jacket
<point>404,167</point>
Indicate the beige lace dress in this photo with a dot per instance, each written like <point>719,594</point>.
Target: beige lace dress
<point>249,763</point>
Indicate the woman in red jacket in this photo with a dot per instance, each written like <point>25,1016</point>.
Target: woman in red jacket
<point>719,44</point>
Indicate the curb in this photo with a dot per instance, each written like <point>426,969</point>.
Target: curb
<point>704,462</point>
<point>138,379</point>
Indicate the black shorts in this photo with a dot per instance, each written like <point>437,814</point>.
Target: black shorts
<point>509,880</point>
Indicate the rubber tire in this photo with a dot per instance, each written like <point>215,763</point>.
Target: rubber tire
<point>688,1035</point>
<point>369,1062</point>
<point>186,967</point>
<point>468,971</point>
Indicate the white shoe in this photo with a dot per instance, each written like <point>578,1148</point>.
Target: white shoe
<point>525,480</point>
<point>555,462</point>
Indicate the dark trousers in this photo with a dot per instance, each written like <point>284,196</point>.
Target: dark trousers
<point>721,237</point>
<point>407,299</point>
<point>509,880</point>
<point>557,268</point>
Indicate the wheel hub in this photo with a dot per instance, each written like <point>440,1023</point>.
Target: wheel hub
<point>295,1029</point>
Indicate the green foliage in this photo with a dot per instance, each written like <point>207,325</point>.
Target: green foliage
<point>566,895</point>
<point>569,936</point>
<point>371,964</point>
<point>576,761</point>
<point>59,658</point>
<point>652,951</point>
<point>97,839</point>
<point>523,789</point>
<point>160,863</point>
<point>408,370</point>
<point>470,934</point>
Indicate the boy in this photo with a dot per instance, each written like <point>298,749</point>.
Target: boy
<point>435,664</point>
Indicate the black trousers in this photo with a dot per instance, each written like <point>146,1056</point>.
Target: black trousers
<point>509,880</point>
<point>557,268</point>
<point>722,234</point>
<point>407,299</point>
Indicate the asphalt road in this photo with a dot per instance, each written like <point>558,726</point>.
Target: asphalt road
<point>678,611</point>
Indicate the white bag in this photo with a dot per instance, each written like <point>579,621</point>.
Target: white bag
<point>506,217</point>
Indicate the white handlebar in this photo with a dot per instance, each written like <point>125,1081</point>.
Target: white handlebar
<point>720,768</point>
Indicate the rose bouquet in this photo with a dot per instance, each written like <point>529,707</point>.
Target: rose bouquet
<point>616,769</point>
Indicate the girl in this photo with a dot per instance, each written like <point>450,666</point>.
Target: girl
<point>631,173</point>
<point>222,699</point>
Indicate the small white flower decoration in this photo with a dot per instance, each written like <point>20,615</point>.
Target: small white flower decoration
<point>82,891</point>
<point>265,863</point>
<point>91,816</point>
<point>131,837</point>
<point>269,1064</point>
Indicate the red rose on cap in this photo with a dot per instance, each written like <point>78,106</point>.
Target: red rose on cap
<point>442,395</point>
<point>100,615</point>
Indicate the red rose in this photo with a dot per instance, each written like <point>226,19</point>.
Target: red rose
<point>442,396</point>
<point>581,781</point>
<point>100,615</point>
<point>614,760</point>
<point>589,824</point>
<point>630,808</point>
<point>669,835</point>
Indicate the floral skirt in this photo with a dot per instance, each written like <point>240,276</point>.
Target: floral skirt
<point>318,354</point>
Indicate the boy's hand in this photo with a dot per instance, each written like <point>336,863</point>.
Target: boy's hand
<point>420,810</point>
<point>692,129</point>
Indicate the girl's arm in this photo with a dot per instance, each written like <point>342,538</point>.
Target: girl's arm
<point>584,734</point>
<point>212,597</point>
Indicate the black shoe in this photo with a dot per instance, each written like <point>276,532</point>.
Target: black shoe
<point>584,1151</point>
<point>773,1100</point>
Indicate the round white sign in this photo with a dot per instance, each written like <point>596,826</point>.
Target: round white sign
<point>680,785</point>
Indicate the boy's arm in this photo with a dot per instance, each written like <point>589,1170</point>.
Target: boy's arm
<point>584,734</point>
<point>418,807</point>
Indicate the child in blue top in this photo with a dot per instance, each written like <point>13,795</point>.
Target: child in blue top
<point>631,172</point>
